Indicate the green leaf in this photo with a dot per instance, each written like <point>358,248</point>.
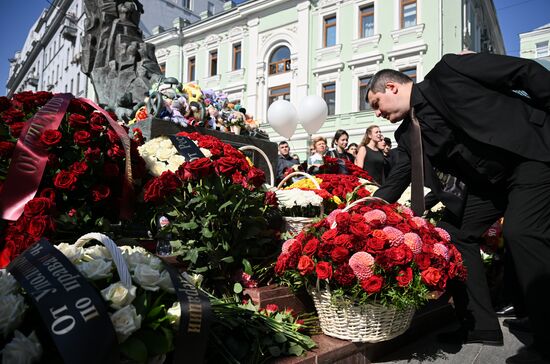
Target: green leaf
<point>189,225</point>
<point>155,312</point>
<point>279,337</point>
<point>227,259</point>
<point>228,203</point>
<point>295,350</point>
<point>237,288</point>
<point>206,232</point>
<point>134,349</point>
<point>140,303</point>
<point>247,266</point>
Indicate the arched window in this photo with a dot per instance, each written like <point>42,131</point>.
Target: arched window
<point>279,61</point>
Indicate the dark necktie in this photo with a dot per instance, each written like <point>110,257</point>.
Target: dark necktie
<point>417,168</point>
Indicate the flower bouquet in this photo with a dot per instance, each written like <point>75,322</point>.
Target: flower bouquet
<point>66,167</point>
<point>114,302</point>
<point>368,267</point>
<point>218,221</point>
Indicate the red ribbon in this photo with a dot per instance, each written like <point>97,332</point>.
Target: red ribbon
<point>127,187</point>
<point>30,157</point>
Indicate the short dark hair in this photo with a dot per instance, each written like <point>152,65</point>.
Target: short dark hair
<point>283,143</point>
<point>379,80</point>
<point>387,141</point>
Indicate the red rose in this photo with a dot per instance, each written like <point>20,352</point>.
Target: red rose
<point>113,136</point>
<point>15,129</point>
<point>12,116</point>
<point>6,149</point>
<point>116,151</point>
<point>226,165</point>
<point>256,176</point>
<point>311,246</point>
<point>344,240</point>
<point>361,229</point>
<point>37,206</point>
<point>48,193</point>
<point>271,199</point>
<point>281,265</point>
<point>422,260</point>
<point>393,218</point>
<point>195,169</point>
<point>152,191</point>
<point>305,265</point>
<point>110,170</point>
<point>404,277</point>
<point>375,245</point>
<point>169,182</point>
<point>38,226</point>
<point>51,137</point>
<point>79,106</point>
<point>342,222</point>
<point>65,180</point>
<point>82,138</point>
<point>339,254</point>
<point>323,270</point>
<point>329,236</point>
<point>98,119</point>
<point>372,284</point>
<point>92,154</point>
<point>100,192</point>
<point>78,121</point>
<point>79,168</point>
<point>344,275</point>
<point>238,178</point>
<point>431,276</point>
<point>272,307</point>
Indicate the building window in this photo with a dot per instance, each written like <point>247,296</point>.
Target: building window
<point>65,88</point>
<point>542,49</point>
<point>213,63</point>
<point>279,93</point>
<point>329,31</point>
<point>78,83</point>
<point>210,9</point>
<point>57,70</point>
<point>186,4</point>
<point>237,56</point>
<point>71,85</point>
<point>411,72</point>
<point>68,56</point>
<point>363,87</point>
<point>329,94</point>
<point>163,68</point>
<point>408,13</point>
<point>366,21</point>
<point>279,61</point>
<point>191,69</point>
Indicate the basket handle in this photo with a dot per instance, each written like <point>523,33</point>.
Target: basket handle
<point>118,259</point>
<point>311,178</point>
<point>252,147</point>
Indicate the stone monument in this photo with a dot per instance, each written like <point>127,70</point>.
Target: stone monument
<point>120,64</point>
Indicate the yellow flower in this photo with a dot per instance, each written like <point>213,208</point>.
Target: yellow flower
<point>336,199</point>
<point>305,183</point>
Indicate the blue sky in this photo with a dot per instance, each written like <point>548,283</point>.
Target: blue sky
<point>515,17</point>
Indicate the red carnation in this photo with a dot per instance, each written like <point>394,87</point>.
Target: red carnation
<point>323,270</point>
<point>51,137</point>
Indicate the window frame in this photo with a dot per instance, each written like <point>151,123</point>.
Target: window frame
<point>415,68</point>
<point>324,92</point>
<point>403,3</point>
<point>237,49</point>
<point>326,26</point>
<point>286,62</point>
<point>362,15</point>
<point>545,44</point>
<point>275,88</point>
<point>361,82</point>
<point>191,68</point>
<point>212,57</point>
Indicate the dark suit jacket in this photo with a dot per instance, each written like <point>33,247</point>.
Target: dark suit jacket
<point>474,95</point>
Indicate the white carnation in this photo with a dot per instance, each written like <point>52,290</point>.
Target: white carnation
<point>126,321</point>
<point>22,349</point>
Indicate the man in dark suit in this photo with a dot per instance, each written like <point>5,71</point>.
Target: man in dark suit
<point>486,154</point>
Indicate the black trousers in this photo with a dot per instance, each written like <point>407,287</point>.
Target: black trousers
<point>524,201</point>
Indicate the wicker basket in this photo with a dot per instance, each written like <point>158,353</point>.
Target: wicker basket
<point>295,224</point>
<point>370,323</point>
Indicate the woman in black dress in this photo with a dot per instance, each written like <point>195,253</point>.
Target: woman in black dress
<point>369,157</point>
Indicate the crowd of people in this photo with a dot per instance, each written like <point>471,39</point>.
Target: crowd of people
<point>373,154</point>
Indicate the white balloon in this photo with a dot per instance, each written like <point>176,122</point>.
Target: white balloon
<point>282,117</point>
<point>313,113</point>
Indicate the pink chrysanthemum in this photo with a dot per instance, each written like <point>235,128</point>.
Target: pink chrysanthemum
<point>331,218</point>
<point>413,241</point>
<point>361,263</point>
<point>441,250</point>
<point>286,245</point>
<point>443,234</point>
<point>407,211</point>
<point>395,236</point>
<point>418,222</point>
<point>375,216</point>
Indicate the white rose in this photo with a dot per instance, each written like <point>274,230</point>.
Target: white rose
<point>176,160</point>
<point>8,284</point>
<point>174,314</point>
<point>165,282</point>
<point>157,169</point>
<point>72,252</point>
<point>95,269</point>
<point>196,279</point>
<point>22,350</point>
<point>126,321</point>
<point>165,143</point>
<point>164,154</point>
<point>206,152</point>
<point>119,295</point>
<point>152,146</point>
<point>147,277</point>
<point>12,310</point>
<point>97,252</point>
<point>154,262</point>
<point>135,256</point>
